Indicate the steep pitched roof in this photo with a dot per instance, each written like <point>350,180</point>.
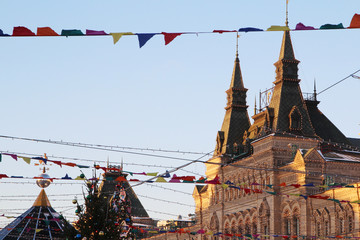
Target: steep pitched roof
<point>236,120</point>
<point>41,221</point>
<point>42,200</point>
<point>108,188</point>
<point>324,128</point>
<point>287,112</point>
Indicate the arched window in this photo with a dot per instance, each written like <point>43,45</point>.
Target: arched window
<point>326,222</point>
<point>318,228</point>
<point>286,223</point>
<point>326,228</point>
<point>341,225</point>
<point>247,227</point>
<point>287,226</point>
<point>227,229</point>
<point>295,119</point>
<point>233,227</point>
<point>350,224</point>
<point>296,225</point>
<point>241,227</point>
<point>349,218</point>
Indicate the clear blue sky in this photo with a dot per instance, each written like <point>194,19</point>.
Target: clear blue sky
<point>86,89</point>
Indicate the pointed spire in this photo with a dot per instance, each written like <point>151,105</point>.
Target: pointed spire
<point>255,112</point>
<point>315,94</point>
<point>42,200</point>
<point>236,120</point>
<point>287,52</point>
<point>287,13</point>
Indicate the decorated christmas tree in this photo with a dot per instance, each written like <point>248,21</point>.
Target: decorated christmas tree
<point>101,217</point>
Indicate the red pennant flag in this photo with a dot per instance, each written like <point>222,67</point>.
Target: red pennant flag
<point>3,176</point>
<point>282,184</point>
<point>169,37</point>
<point>56,162</point>
<point>222,31</point>
<point>22,31</point>
<point>69,164</point>
<point>14,156</point>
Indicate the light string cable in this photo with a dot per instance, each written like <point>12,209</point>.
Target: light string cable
<point>102,147</point>
<point>175,169</point>
<point>351,75</point>
<point>100,161</point>
<point>185,159</point>
<point>176,158</point>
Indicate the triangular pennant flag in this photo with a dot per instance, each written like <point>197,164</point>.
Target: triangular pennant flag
<point>152,174</point>
<point>69,164</point>
<point>57,162</point>
<point>26,159</point>
<point>144,37</point>
<point>22,31</point>
<point>14,156</point>
<point>278,28</point>
<point>355,22</point>
<point>160,179</point>
<point>117,36</point>
<point>169,37</point>
<point>332,26</point>
<point>93,32</point>
<point>78,178</point>
<point>174,179</point>
<point>166,174</point>
<point>250,29</point>
<point>222,31</point>
<point>224,186</point>
<point>3,34</point>
<point>46,31</point>
<point>82,166</point>
<point>301,26</point>
<point>41,159</point>
<point>38,230</point>
<point>0,157</point>
<point>71,32</point>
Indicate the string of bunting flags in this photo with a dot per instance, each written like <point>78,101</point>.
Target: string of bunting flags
<point>143,38</point>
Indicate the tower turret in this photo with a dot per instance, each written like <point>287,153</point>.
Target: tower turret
<point>236,120</point>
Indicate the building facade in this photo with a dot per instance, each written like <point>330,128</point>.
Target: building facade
<point>290,174</point>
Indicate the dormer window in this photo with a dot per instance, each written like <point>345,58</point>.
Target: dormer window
<point>295,119</point>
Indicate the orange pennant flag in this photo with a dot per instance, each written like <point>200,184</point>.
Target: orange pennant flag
<point>46,31</point>
<point>120,179</point>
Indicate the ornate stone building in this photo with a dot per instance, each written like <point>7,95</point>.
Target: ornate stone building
<point>291,143</point>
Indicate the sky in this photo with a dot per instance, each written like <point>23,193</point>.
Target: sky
<point>88,90</point>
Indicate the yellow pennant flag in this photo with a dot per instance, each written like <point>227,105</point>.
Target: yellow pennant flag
<point>224,186</point>
<point>152,174</point>
<point>38,230</point>
<point>79,178</point>
<point>160,179</point>
<point>209,233</point>
<point>278,28</point>
<point>117,36</point>
<point>26,159</point>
